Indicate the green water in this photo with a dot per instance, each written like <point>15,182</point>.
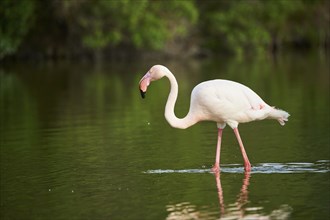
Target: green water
<point>78,142</point>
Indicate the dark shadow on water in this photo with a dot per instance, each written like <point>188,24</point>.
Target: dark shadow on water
<point>320,166</point>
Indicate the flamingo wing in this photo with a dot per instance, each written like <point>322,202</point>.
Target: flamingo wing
<point>226,101</point>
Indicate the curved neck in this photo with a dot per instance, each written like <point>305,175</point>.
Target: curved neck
<point>170,104</point>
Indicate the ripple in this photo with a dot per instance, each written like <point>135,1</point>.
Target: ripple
<point>320,166</point>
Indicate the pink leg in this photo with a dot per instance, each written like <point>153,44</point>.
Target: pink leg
<point>216,167</point>
<point>247,165</point>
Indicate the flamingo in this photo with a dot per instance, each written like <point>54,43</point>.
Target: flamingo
<point>222,101</point>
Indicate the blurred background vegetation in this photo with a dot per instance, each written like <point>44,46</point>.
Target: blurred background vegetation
<point>76,29</point>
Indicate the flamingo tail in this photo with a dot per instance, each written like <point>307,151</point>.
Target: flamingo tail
<point>280,115</point>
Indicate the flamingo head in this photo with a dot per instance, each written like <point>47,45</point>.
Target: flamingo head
<point>155,73</point>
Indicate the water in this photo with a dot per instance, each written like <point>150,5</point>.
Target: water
<point>322,166</point>
<point>78,142</point>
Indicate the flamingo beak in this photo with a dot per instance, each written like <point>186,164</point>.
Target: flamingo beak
<point>144,83</point>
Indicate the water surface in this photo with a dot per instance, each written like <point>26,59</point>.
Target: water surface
<point>78,142</point>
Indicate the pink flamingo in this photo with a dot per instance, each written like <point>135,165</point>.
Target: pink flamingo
<point>222,101</point>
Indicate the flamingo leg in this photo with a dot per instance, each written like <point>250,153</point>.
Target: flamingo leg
<point>247,165</point>
<point>216,167</point>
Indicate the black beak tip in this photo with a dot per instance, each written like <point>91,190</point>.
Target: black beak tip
<point>143,94</point>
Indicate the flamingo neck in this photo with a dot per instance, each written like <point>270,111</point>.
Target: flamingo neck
<point>170,116</point>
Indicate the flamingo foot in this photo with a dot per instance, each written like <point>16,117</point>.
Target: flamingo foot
<point>215,168</point>
<point>247,167</point>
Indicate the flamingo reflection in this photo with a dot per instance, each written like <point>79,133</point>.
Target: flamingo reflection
<point>237,210</point>
<point>242,197</point>
<point>185,210</point>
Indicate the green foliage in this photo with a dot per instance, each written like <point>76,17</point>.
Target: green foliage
<point>239,27</point>
<point>162,21</point>
<point>241,30</point>
<point>245,26</point>
<point>102,23</point>
<point>16,20</point>
<point>143,24</point>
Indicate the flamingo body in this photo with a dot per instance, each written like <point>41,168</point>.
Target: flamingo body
<point>227,102</point>
<point>221,101</point>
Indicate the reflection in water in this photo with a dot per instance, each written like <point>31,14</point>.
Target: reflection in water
<point>186,211</point>
<point>242,198</point>
<point>237,210</point>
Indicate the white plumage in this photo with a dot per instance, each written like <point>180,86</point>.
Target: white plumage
<point>221,101</point>
<point>231,103</point>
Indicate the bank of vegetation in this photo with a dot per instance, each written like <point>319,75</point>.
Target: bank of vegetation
<point>75,29</point>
